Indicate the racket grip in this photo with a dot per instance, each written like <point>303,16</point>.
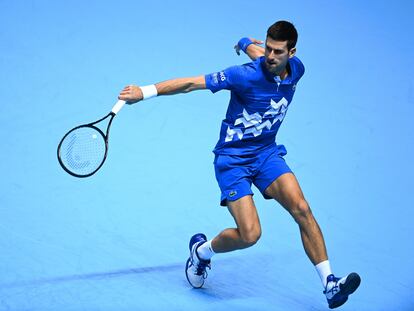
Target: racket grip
<point>119,104</point>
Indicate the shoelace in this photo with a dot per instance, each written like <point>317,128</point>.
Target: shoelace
<point>334,289</point>
<point>201,268</point>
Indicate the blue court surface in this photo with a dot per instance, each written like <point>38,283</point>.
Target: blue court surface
<point>119,239</point>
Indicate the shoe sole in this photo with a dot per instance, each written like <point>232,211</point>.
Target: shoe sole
<point>350,286</point>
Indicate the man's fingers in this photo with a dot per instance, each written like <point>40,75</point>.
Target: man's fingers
<point>255,41</point>
<point>237,48</point>
<point>126,92</point>
<point>129,94</point>
<point>128,99</point>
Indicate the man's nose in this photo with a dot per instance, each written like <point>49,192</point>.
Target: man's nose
<point>272,55</point>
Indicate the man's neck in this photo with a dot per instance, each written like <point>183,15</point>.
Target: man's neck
<point>283,74</point>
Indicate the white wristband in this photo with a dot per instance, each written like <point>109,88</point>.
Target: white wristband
<point>148,91</point>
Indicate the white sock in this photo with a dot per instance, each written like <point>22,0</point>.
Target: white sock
<point>205,251</point>
<point>324,269</point>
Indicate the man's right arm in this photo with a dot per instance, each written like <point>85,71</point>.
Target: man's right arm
<point>134,93</point>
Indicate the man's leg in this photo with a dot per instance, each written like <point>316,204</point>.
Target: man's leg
<point>287,192</point>
<point>234,176</point>
<point>248,229</point>
<point>246,234</point>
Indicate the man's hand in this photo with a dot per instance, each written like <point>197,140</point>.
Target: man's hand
<point>131,94</point>
<point>256,42</point>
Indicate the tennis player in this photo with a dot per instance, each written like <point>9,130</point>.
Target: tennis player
<point>246,154</point>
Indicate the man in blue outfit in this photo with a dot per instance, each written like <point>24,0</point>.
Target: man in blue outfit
<point>246,154</point>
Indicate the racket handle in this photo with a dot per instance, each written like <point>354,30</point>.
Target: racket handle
<point>119,104</point>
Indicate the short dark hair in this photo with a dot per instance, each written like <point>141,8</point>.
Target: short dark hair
<point>283,31</point>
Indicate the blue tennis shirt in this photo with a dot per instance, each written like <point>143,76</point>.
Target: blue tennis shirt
<point>257,107</point>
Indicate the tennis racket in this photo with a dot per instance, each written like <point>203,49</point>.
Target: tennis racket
<point>82,151</point>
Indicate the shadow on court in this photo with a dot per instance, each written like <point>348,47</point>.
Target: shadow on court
<point>242,272</point>
<point>93,276</point>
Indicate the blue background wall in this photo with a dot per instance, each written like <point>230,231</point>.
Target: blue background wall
<point>118,240</point>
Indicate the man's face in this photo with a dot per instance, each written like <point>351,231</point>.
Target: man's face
<point>277,55</point>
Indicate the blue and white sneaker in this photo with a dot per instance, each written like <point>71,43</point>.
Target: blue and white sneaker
<point>196,268</point>
<point>337,290</point>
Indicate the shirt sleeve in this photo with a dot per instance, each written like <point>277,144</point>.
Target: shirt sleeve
<point>299,68</point>
<point>228,79</point>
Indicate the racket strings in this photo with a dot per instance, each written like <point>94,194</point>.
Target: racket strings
<point>83,150</point>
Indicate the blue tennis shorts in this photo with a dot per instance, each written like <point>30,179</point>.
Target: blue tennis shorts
<point>235,174</point>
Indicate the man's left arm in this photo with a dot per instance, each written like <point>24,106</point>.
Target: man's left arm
<point>251,47</point>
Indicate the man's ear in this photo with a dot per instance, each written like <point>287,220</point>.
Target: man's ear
<point>292,52</point>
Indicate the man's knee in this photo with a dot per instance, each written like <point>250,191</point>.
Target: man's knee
<point>300,210</point>
<point>250,236</point>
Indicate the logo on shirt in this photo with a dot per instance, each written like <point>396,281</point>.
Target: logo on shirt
<point>215,78</point>
<point>218,76</point>
<point>294,87</point>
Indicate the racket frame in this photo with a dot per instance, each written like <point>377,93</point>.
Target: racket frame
<point>105,137</point>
